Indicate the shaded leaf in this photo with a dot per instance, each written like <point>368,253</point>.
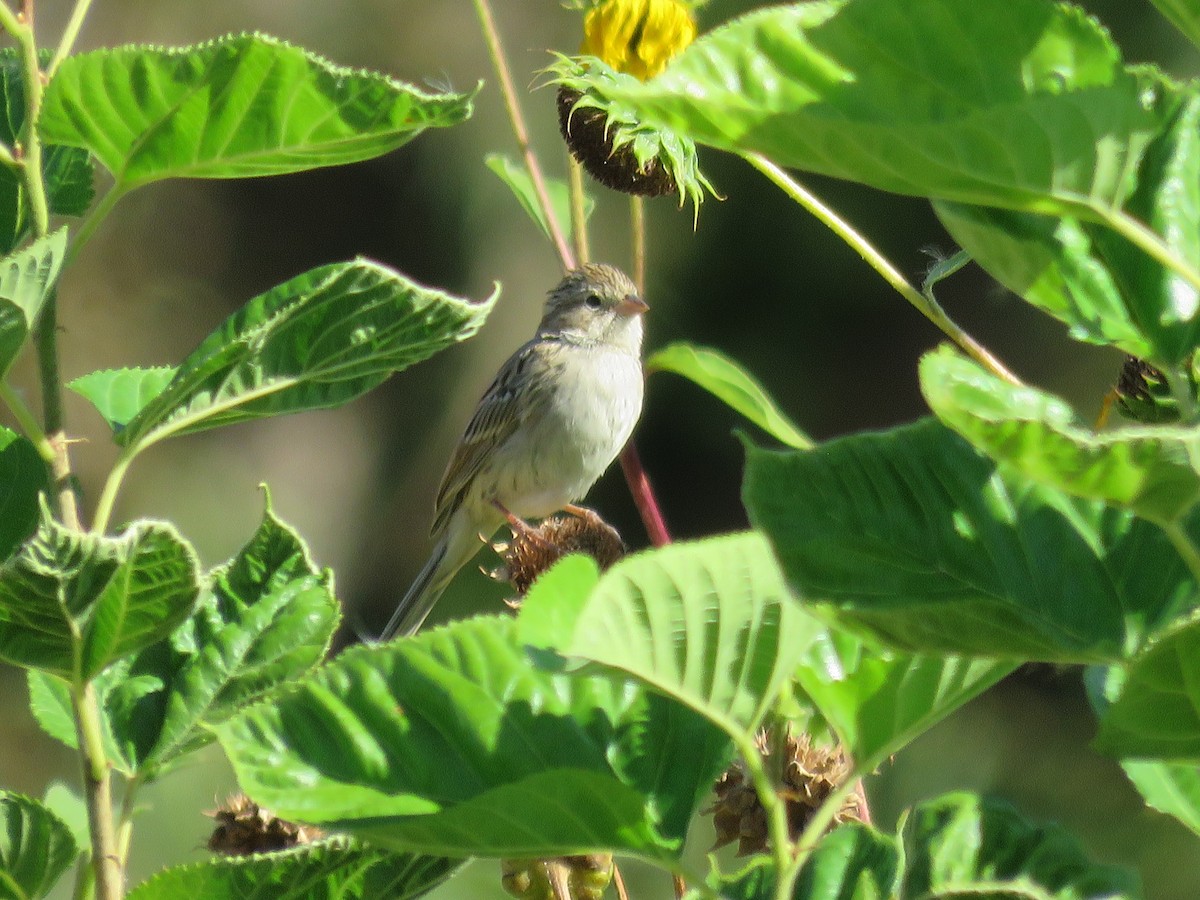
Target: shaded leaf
<point>1023,104</point>
<point>314,342</point>
<point>1184,15</point>
<point>1149,470</point>
<point>517,178</point>
<point>240,106</point>
<point>914,535</point>
<point>728,382</point>
<point>336,869</point>
<point>120,394</point>
<point>709,623</point>
<point>35,848</point>
<point>963,844</point>
<point>452,742</point>
<point>26,279</point>
<point>23,477</point>
<point>72,603</point>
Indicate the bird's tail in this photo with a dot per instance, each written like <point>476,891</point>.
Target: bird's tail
<point>453,550</point>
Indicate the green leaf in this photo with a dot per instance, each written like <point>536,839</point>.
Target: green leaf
<point>120,394</point>
<point>237,107</point>
<point>452,742</point>
<point>26,279</point>
<point>336,869</point>
<point>1184,15</point>
<point>1149,470</point>
<point>1105,289</point>
<point>66,171</point>
<point>69,807</point>
<point>264,619</point>
<point>1157,713</point>
<point>23,477</point>
<point>853,862</point>
<point>961,844</point>
<point>708,623</point>
<point>516,176</point>
<point>35,848</point>
<point>915,536</point>
<point>1023,104</point>
<point>877,700</point>
<point>314,342</point>
<point>728,382</point>
<point>72,603</point>
<point>1171,788</point>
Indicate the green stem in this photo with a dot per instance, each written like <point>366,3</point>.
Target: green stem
<point>31,145</point>
<point>775,808</point>
<point>108,496</point>
<point>97,793</point>
<point>491,36</point>
<point>637,233</point>
<point>85,231</point>
<point>70,33</point>
<point>579,230</point>
<point>812,834</point>
<point>1184,547</point>
<point>125,820</point>
<point>29,425</point>
<point>877,261</point>
<point>7,159</point>
<point>1150,243</point>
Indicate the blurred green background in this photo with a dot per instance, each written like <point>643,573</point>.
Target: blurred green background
<point>757,278</point>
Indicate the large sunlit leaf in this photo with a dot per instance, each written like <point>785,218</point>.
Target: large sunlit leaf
<point>877,700</point>
<point>1150,470</point>
<point>120,394</point>
<point>23,476</point>
<point>1099,284</point>
<point>709,623</point>
<point>453,742</point>
<point>26,279</point>
<point>264,619</point>
<point>918,537</point>
<point>66,171</point>
<point>330,870</point>
<point>1157,711</point>
<point>963,845</point>
<point>728,382</point>
<point>240,106</point>
<point>316,341</point>
<point>1170,787</point>
<point>72,603</point>
<point>1023,104</point>
<point>35,848</point>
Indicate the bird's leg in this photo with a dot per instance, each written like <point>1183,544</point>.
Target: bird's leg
<point>521,527</point>
<point>582,512</point>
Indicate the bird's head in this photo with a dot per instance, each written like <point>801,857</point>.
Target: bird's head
<point>596,303</point>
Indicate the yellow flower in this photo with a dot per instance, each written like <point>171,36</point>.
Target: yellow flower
<point>638,37</point>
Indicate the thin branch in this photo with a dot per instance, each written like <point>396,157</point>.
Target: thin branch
<point>28,424</point>
<point>70,33</point>
<point>877,261</point>
<point>579,229</point>
<point>1146,240</point>
<point>97,784</point>
<point>619,882</point>
<point>492,36</point>
<point>643,496</point>
<point>637,231</point>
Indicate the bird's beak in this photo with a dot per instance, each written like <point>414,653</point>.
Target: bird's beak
<point>632,305</point>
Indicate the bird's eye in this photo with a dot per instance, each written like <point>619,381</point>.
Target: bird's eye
<point>593,301</point>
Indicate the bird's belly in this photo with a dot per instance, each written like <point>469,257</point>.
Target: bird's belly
<point>587,421</point>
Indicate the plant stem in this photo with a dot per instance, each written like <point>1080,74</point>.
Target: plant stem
<point>492,37</point>
<point>877,261</point>
<point>92,221</point>
<point>619,882</point>
<point>125,820</point>
<point>108,496</point>
<point>579,232</point>
<point>70,33</point>
<point>637,230</point>
<point>97,792</point>
<point>812,834</point>
<point>1146,240</point>
<point>1184,547</point>
<point>777,824</point>
<point>29,425</point>
<point>643,496</point>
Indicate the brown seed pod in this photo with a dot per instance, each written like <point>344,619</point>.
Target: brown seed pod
<point>534,550</point>
<point>590,139</point>
<point>243,827</point>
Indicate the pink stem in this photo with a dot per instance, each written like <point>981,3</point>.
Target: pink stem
<point>643,496</point>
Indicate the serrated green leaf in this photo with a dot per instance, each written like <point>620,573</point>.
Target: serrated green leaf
<point>1023,104</point>
<point>120,394</point>
<point>962,844</point>
<point>26,279</point>
<point>1171,788</point>
<point>66,171</point>
<point>72,603</point>
<point>335,869</point>
<point>1149,470</point>
<point>1184,15</point>
<point>517,178</point>
<point>708,623</point>
<point>314,342</point>
<point>877,700</point>
<point>916,536</point>
<point>453,742</point>
<point>237,107</point>
<point>1157,713</point>
<point>23,477</point>
<point>35,848</point>
<point>728,382</point>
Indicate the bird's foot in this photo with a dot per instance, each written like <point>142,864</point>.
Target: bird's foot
<point>582,512</point>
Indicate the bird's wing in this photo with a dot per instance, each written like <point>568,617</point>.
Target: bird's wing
<point>517,392</point>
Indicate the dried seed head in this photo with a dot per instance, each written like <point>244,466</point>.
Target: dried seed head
<point>533,551</point>
<point>243,827</point>
<point>583,877</point>
<point>1142,393</point>
<point>591,142</point>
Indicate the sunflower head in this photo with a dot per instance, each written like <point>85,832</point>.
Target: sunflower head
<point>637,37</point>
